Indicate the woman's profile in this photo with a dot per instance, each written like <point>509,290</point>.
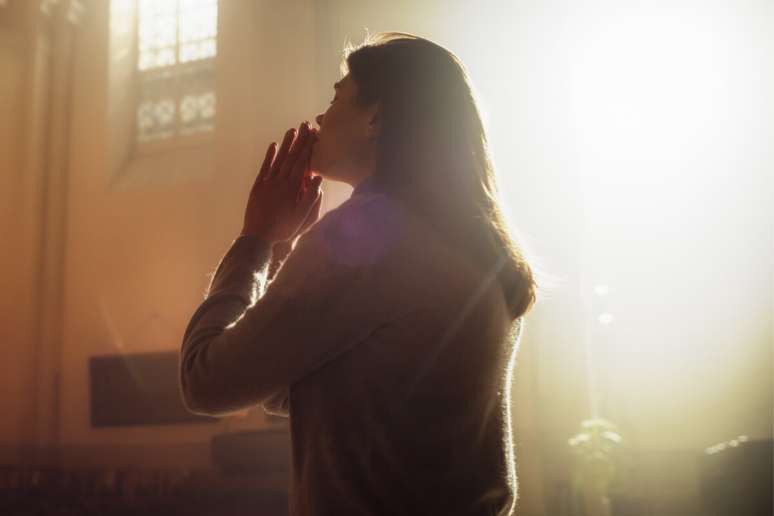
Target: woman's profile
<point>389,333</point>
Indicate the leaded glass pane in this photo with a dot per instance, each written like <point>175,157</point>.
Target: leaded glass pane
<point>157,111</point>
<point>157,38</point>
<point>176,50</point>
<point>197,100</point>
<point>156,119</point>
<point>199,21</point>
<point>197,50</point>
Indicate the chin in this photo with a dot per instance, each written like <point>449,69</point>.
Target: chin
<point>316,169</point>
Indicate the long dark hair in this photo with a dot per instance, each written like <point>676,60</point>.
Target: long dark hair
<point>433,152</point>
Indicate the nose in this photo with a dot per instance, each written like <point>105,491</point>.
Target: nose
<point>319,119</point>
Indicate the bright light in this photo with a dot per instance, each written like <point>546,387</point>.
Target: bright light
<point>649,89</point>
<point>172,31</point>
<point>605,318</point>
<point>634,139</point>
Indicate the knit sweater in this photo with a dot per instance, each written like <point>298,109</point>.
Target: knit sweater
<point>390,352</point>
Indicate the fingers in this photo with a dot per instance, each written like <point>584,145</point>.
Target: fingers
<point>301,166</point>
<point>282,173</point>
<point>267,162</point>
<point>297,152</point>
<point>282,154</point>
<point>293,156</point>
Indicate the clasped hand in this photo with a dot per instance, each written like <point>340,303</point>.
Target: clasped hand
<point>285,199</point>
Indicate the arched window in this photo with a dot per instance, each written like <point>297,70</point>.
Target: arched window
<point>176,49</point>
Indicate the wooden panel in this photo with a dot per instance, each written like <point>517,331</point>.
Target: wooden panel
<point>138,389</point>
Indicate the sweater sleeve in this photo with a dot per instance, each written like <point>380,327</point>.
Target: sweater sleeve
<point>247,342</point>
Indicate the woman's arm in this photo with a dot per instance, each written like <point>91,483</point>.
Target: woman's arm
<point>282,196</point>
<point>278,404</point>
<point>279,252</point>
<point>247,342</point>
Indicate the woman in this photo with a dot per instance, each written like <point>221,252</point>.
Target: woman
<point>389,334</point>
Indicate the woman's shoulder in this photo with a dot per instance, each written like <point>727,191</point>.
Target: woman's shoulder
<point>360,231</point>
<point>373,229</point>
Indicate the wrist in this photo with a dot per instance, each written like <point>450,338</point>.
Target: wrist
<point>257,235</point>
<point>281,249</point>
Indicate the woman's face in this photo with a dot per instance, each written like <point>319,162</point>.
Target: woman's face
<point>345,147</point>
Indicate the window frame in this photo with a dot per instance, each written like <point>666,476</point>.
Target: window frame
<point>176,141</point>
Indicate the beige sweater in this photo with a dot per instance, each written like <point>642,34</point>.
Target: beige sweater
<point>390,352</point>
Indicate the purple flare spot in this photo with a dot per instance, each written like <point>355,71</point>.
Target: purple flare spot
<point>362,230</point>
